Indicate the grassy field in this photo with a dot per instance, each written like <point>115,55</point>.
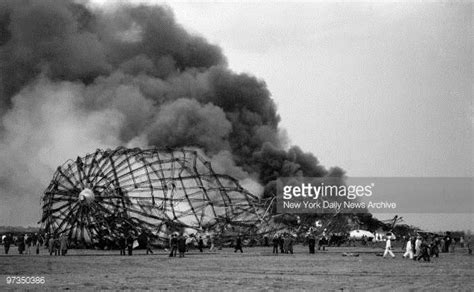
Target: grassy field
<point>257,269</point>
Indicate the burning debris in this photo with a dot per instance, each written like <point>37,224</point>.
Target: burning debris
<point>113,192</point>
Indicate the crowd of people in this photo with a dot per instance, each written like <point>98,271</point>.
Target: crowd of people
<point>283,242</point>
<point>179,243</point>
<point>30,243</point>
<point>57,245</point>
<point>418,247</point>
<point>26,243</point>
<point>424,247</point>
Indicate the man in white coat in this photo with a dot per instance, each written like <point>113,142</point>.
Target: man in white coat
<point>409,249</point>
<point>417,246</point>
<point>388,247</point>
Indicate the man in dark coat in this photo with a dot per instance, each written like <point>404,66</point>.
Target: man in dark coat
<point>424,252</point>
<point>130,240</point>
<point>148,244</point>
<point>238,244</point>
<point>276,242</point>
<point>434,247</point>
<point>39,242</point>
<point>181,245</point>
<point>56,245</point>
<point>200,244</point>
<point>281,241</point>
<point>469,245</point>
<point>174,244</point>
<point>21,244</point>
<point>122,244</point>
<point>447,242</point>
<point>311,242</point>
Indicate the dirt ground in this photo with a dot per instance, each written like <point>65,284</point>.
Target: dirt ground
<point>256,269</point>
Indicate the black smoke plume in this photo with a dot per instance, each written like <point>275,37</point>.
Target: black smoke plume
<point>74,79</point>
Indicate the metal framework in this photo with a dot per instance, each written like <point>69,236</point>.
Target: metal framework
<point>110,192</point>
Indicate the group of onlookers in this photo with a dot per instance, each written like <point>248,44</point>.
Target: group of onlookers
<point>323,240</point>
<point>57,245</point>
<point>178,244</point>
<point>24,242</point>
<point>127,243</point>
<point>420,247</point>
<point>417,248</point>
<point>283,242</point>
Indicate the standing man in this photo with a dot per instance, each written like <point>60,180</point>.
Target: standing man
<point>323,242</point>
<point>238,244</point>
<point>276,242</point>
<point>130,241</point>
<point>290,244</point>
<point>200,244</point>
<point>122,244</point>
<point>28,240</point>
<point>21,243</point>
<point>7,241</point>
<point>63,244</point>
<point>434,247</point>
<point>210,239</point>
<point>469,245</point>
<point>51,245</point>
<point>311,241</point>
<point>39,242</point>
<point>181,245</point>
<point>417,246</point>
<point>57,245</point>
<point>286,242</point>
<point>448,240</point>
<point>281,241</point>
<point>409,249</point>
<point>148,244</point>
<point>174,244</point>
<point>34,241</point>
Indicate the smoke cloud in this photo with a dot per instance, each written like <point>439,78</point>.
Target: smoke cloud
<point>74,79</point>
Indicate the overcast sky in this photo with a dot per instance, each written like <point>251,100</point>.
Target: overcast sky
<point>379,89</point>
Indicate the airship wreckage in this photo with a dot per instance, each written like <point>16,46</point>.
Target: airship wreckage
<point>157,191</point>
<point>110,193</point>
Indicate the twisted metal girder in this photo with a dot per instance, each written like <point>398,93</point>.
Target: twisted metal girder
<point>110,192</point>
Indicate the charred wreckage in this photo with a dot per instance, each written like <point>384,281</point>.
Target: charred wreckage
<point>156,191</point>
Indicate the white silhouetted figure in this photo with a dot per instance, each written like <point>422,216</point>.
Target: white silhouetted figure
<point>409,249</point>
<point>388,247</point>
